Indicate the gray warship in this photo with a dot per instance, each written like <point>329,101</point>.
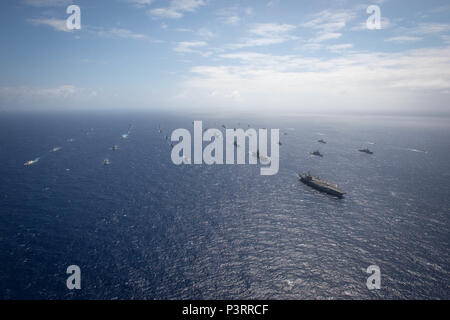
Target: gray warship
<point>321,185</point>
<point>365,151</point>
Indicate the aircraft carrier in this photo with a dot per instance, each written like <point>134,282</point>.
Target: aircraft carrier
<point>321,185</point>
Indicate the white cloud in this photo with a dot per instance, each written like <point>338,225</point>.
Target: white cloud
<point>234,15</point>
<point>63,91</point>
<point>73,97</point>
<point>427,28</point>
<point>116,33</point>
<point>403,39</point>
<point>57,24</point>
<point>340,47</point>
<point>256,42</point>
<point>354,81</point>
<point>312,46</point>
<point>165,13</point>
<point>205,33</point>
<point>329,21</point>
<point>141,3</point>
<point>231,20</point>
<point>202,32</point>
<point>60,25</point>
<point>270,29</point>
<point>48,3</point>
<point>424,29</point>
<point>189,46</point>
<point>187,5</point>
<point>64,96</point>
<point>327,24</point>
<point>326,36</point>
<point>176,9</point>
<point>419,31</point>
<point>264,34</point>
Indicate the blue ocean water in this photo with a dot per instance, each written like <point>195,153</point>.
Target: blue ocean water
<point>143,228</point>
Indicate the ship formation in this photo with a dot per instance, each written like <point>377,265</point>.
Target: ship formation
<point>236,145</point>
<point>321,184</point>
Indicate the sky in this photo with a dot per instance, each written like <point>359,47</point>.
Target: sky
<point>266,56</point>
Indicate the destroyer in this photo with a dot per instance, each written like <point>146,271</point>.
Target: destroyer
<point>321,185</point>
<point>365,151</point>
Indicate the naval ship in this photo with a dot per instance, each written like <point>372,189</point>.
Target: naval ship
<point>365,151</point>
<point>317,154</point>
<point>321,185</point>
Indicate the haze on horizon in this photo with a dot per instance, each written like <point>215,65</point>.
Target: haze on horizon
<point>274,56</point>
